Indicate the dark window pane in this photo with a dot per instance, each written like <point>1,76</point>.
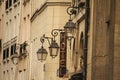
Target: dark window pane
<point>15,1</point>
<point>7,54</point>
<point>21,49</point>
<point>10,3</point>
<point>4,54</point>
<point>6,4</point>
<point>24,46</point>
<point>12,50</point>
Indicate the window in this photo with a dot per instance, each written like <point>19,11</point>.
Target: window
<point>13,49</point>
<point>7,4</point>
<point>5,53</point>
<point>23,48</point>
<point>15,1</point>
<point>0,2</point>
<point>10,3</point>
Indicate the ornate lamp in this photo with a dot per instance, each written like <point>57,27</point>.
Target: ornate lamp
<point>54,49</point>
<point>69,26</point>
<point>42,52</point>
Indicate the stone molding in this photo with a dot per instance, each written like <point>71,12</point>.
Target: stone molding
<point>41,9</point>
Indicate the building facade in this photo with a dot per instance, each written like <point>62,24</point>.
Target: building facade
<point>13,33</point>
<point>50,15</point>
<point>92,53</point>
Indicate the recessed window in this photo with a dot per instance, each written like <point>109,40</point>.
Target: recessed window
<point>21,49</point>
<point>5,53</point>
<point>0,2</point>
<point>13,49</point>
<point>10,3</point>
<point>15,1</point>
<point>7,4</point>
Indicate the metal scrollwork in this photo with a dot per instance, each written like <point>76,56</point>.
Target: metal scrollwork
<point>55,32</point>
<point>69,10</point>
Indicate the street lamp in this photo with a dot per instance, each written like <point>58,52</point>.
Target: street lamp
<point>69,27</point>
<point>54,49</point>
<point>42,52</point>
<point>53,45</point>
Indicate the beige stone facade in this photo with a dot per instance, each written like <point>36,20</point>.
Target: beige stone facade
<point>52,15</point>
<point>28,20</point>
<point>13,15</point>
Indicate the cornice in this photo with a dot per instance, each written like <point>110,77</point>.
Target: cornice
<point>41,9</point>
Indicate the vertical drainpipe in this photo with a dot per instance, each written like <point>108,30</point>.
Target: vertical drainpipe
<point>86,38</point>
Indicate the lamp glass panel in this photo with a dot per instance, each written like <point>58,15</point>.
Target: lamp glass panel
<point>44,56</point>
<point>70,32</point>
<point>39,56</point>
<point>53,52</point>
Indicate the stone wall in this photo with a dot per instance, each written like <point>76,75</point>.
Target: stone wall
<point>117,42</point>
<point>102,54</point>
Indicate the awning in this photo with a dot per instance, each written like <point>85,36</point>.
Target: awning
<point>77,76</point>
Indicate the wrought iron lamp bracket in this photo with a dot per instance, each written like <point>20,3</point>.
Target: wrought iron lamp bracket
<point>42,39</point>
<point>55,32</point>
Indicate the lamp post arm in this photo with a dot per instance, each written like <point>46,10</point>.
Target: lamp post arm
<point>48,39</point>
<point>54,33</point>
